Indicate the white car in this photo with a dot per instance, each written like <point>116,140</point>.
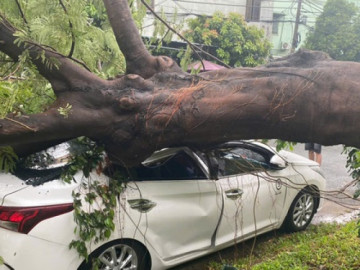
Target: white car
<point>181,204</point>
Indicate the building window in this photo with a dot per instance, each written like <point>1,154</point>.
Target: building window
<point>276,21</point>
<point>253,8</point>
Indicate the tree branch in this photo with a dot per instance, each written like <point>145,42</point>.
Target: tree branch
<point>191,45</point>
<point>138,59</point>
<point>52,126</point>
<point>71,29</point>
<point>21,12</point>
<point>20,124</point>
<point>67,75</point>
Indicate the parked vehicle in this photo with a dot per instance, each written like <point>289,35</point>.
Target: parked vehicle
<point>179,204</point>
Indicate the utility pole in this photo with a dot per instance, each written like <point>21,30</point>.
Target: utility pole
<point>296,29</point>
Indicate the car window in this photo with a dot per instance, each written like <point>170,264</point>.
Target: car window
<point>53,157</point>
<point>48,164</point>
<point>177,166</point>
<point>237,160</point>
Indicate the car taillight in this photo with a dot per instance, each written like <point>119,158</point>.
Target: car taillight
<point>23,219</point>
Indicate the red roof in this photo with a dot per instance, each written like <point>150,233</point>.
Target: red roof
<point>208,66</point>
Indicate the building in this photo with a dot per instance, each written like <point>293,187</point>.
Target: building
<point>276,17</point>
<point>256,12</point>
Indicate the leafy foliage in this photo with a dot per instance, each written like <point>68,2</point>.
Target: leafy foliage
<point>95,222</point>
<point>65,111</point>
<point>337,31</point>
<point>85,160</point>
<point>162,37</point>
<point>24,92</point>
<point>238,44</point>
<point>8,159</point>
<point>353,165</point>
<point>280,144</point>
<point>78,23</point>
<point>50,24</point>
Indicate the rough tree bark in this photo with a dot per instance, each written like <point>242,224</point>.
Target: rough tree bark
<point>304,97</point>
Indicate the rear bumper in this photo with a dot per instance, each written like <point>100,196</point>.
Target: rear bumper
<point>22,251</point>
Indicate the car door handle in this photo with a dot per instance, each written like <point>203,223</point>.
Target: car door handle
<point>142,205</point>
<point>234,193</point>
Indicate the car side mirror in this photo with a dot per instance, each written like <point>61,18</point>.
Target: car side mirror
<point>278,162</point>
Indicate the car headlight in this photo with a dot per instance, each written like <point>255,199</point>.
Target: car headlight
<point>318,170</point>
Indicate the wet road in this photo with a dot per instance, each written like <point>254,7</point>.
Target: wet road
<point>333,165</point>
<point>337,207</point>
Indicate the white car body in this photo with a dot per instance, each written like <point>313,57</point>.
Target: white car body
<point>188,218</point>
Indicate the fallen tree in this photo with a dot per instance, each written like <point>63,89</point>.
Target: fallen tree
<point>303,97</point>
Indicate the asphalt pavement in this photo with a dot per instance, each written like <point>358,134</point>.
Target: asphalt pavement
<point>338,205</point>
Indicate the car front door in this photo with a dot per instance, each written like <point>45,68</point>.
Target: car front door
<point>175,205</point>
<point>252,198</point>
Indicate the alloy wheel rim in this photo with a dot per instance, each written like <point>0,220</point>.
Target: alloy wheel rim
<point>118,257</point>
<point>303,210</point>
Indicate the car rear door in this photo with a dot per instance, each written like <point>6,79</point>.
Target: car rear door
<point>252,198</point>
<point>175,205</point>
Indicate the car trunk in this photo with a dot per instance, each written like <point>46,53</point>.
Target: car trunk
<point>9,184</point>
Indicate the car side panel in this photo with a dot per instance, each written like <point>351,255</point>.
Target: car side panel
<point>257,209</point>
<point>297,178</point>
<point>184,219</point>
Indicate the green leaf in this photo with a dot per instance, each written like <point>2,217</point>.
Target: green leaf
<point>107,233</point>
<point>8,159</point>
<point>228,34</point>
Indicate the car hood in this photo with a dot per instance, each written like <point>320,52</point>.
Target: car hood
<point>296,159</point>
<point>10,184</point>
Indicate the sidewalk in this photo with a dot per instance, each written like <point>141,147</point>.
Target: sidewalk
<point>333,212</point>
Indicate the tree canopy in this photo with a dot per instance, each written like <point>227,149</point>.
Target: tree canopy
<point>237,44</point>
<point>148,102</point>
<point>337,31</point>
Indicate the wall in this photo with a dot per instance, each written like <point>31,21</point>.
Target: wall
<point>185,9</point>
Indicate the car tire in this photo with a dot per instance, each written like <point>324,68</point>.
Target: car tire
<point>301,211</point>
<point>115,253</point>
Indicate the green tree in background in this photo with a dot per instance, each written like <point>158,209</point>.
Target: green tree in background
<point>337,31</point>
<point>238,44</point>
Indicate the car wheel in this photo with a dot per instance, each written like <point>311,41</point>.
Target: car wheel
<point>123,254</point>
<point>301,211</point>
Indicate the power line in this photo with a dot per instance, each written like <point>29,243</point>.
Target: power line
<point>231,4</point>
<point>196,11</point>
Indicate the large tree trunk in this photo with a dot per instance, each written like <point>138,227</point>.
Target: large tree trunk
<point>304,97</point>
